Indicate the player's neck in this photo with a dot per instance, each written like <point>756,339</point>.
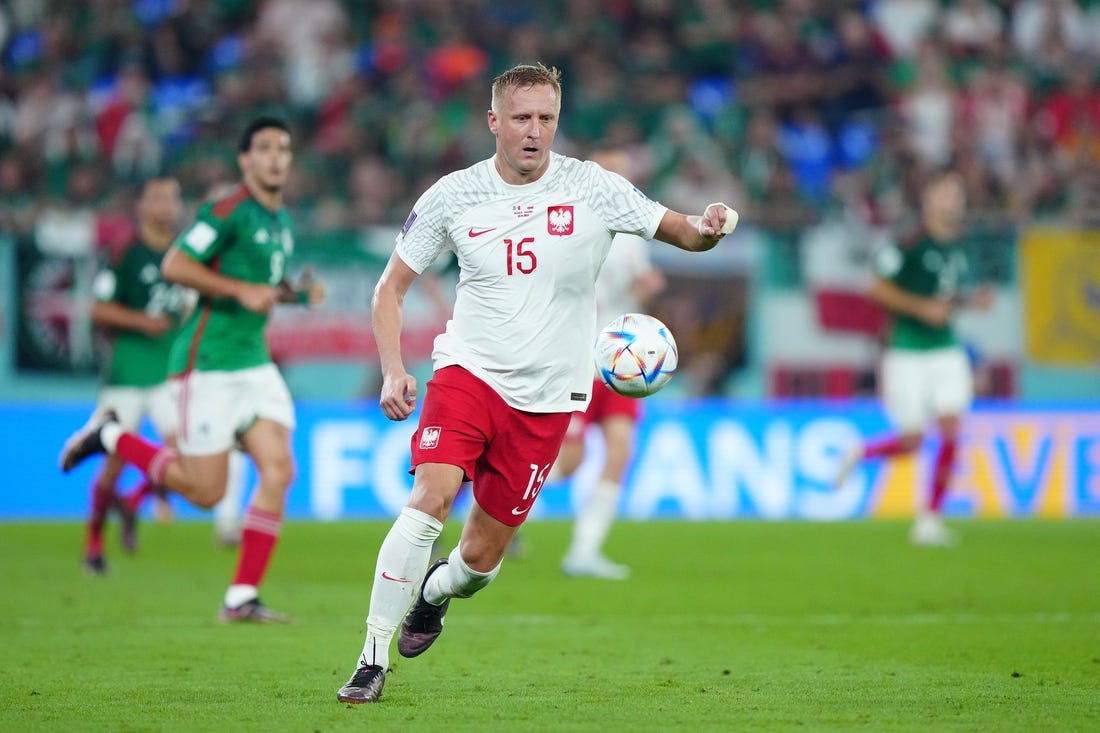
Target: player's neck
<point>155,237</point>
<point>269,199</point>
<point>941,231</point>
<point>515,178</point>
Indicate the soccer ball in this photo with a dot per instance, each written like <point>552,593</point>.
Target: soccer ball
<point>635,355</point>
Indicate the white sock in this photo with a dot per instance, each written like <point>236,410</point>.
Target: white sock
<point>109,435</point>
<point>236,595</point>
<point>402,561</point>
<point>456,580</point>
<point>594,520</point>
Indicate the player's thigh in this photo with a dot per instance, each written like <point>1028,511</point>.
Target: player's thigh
<point>904,392</point>
<point>618,436</point>
<point>127,402</point>
<point>952,382</point>
<point>206,474</point>
<point>571,454</point>
<point>435,486</point>
<point>484,540</point>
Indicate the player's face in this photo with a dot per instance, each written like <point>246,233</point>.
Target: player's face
<point>160,203</point>
<point>525,124</point>
<point>945,203</point>
<point>266,163</point>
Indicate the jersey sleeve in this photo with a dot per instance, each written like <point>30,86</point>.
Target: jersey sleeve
<point>424,234</point>
<point>207,236</point>
<point>622,206</point>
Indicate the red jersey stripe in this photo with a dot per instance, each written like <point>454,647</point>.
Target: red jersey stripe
<point>225,207</point>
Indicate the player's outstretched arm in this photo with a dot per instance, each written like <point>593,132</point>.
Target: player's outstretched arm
<point>697,233</point>
<point>398,398</point>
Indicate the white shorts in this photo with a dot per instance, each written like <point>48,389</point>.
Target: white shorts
<point>920,385</point>
<point>133,403</point>
<point>216,408</point>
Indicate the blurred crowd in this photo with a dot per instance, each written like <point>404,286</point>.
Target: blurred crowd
<point>786,108</point>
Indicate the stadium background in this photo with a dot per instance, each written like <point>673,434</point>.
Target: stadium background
<point>809,117</point>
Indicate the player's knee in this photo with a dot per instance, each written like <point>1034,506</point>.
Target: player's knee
<point>279,473</point>
<point>430,503</point>
<point>206,498</point>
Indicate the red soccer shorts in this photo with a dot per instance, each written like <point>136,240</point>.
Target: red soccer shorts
<point>506,452</point>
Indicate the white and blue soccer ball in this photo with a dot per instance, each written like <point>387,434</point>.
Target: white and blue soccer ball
<point>635,355</point>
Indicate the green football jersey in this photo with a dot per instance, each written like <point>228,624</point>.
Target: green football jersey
<point>138,360</point>
<point>239,238</point>
<point>927,269</point>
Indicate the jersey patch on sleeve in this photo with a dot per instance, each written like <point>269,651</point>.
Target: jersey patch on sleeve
<point>201,236</point>
<point>408,223</point>
<point>888,261</point>
<point>103,287</point>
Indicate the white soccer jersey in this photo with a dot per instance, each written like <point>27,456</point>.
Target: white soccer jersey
<point>528,255</point>
<point>627,261</point>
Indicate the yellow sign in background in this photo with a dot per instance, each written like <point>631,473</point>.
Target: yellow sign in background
<point>1060,278</point>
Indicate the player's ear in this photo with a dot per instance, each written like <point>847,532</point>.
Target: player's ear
<point>491,117</point>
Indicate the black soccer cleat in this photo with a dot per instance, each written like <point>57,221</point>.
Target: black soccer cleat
<point>95,565</point>
<point>254,612</point>
<point>364,686</point>
<point>424,622</point>
<point>86,442</point>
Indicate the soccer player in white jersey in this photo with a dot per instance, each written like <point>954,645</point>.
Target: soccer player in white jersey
<point>625,284</point>
<point>530,229</point>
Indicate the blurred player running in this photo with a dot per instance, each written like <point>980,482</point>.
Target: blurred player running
<point>235,255</point>
<point>626,282</point>
<point>143,313</point>
<point>925,372</point>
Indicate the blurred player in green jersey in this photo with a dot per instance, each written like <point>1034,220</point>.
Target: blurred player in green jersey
<point>235,255</point>
<point>143,314</point>
<point>926,376</point>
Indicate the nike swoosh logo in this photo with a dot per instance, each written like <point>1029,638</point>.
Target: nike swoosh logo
<point>387,576</point>
<point>517,511</point>
<point>478,232</point>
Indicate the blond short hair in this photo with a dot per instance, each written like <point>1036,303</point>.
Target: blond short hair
<point>526,75</point>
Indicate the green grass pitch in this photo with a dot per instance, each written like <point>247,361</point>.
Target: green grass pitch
<point>724,626</point>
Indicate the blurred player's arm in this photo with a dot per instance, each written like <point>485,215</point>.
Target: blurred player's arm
<point>892,297</point>
<point>980,297</point>
<point>179,267</point>
<point>398,398</point>
<point>108,312</point>
<point>114,315</point>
